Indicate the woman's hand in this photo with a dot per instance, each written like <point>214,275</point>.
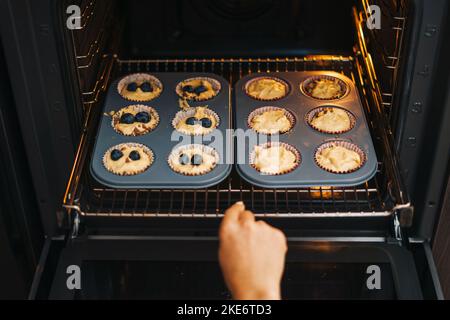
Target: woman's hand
<point>251,255</point>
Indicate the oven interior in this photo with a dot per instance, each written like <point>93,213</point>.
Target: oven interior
<point>233,38</point>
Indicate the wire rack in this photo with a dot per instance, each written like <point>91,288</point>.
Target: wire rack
<point>368,199</point>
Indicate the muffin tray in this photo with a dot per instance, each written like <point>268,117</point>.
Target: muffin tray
<point>159,174</point>
<point>302,136</point>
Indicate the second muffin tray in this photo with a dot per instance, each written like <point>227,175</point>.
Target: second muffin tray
<point>305,139</point>
<point>159,175</point>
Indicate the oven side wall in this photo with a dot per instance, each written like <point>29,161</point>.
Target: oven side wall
<point>420,130</point>
<point>47,118</point>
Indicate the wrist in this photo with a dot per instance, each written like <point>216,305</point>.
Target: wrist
<point>272,293</point>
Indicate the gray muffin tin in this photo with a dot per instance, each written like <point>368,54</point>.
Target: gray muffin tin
<point>159,174</point>
<point>304,138</point>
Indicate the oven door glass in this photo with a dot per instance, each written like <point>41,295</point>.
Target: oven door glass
<point>188,269</point>
<point>203,280</point>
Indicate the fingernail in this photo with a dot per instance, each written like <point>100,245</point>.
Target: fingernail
<point>240,203</point>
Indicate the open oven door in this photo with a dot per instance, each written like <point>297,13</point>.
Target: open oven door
<point>128,268</point>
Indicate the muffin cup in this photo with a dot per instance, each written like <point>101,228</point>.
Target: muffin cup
<point>288,89</point>
<point>262,110</point>
<point>345,144</point>
<point>311,114</point>
<point>275,144</point>
<point>344,87</point>
<point>182,115</point>
<point>139,77</point>
<point>214,83</point>
<point>138,108</point>
<point>175,154</point>
<point>146,149</point>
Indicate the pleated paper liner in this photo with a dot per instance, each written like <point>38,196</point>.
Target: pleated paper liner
<point>185,114</point>
<point>140,78</point>
<point>142,147</point>
<point>136,109</point>
<point>174,158</point>
<point>345,144</point>
<point>263,110</point>
<point>216,86</point>
<point>310,116</point>
<point>307,86</point>
<point>268,145</point>
<point>284,83</point>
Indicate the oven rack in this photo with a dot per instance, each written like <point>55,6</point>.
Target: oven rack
<point>379,197</point>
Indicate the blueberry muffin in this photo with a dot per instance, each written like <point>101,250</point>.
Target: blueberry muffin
<point>128,159</point>
<point>135,120</point>
<point>193,160</point>
<point>196,121</point>
<point>198,89</point>
<point>140,87</point>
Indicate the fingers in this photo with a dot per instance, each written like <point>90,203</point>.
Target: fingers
<point>232,214</point>
<point>246,217</point>
<point>279,235</point>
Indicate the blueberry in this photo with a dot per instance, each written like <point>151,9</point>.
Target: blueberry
<point>116,155</point>
<point>132,86</point>
<point>127,118</point>
<point>191,121</point>
<point>184,159</point>
<point>134,155</point>
<point>206,123</point>
<point>143,117</point>
<point>146,87</point>
<point>197,160</point>
<point>200,89</point>
<point>188,88</point>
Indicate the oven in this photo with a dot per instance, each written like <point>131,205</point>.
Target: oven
<point>162,243</point>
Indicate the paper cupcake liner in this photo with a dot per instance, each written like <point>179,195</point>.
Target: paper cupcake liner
<point>184,114</point>
<point>275,144</point>
<point>262,110</point>
<point>288,88</point>
<point>311,114</point>
<point>146,149</point>
<point>344,87</point>
<point>345,144</point>
<point>175,155</point>
<point>138,108</point>
<point>139,77</point>
<point>215,85</point>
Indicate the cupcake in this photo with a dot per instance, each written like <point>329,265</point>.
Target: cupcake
<point>271,120</point>
<point>331,120</point>
<point>135,120</point>
<point>128,159</point>
<point>275,158</point>
<point>340,157</point>
<point>324,88</point>
<point>267,88</point>
<point>198,89</point>
<point>193,159</point>
<point>140,87</point>
<point>196,121</point>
